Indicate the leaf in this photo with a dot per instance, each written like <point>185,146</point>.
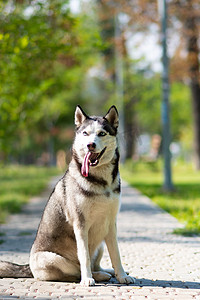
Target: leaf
<point>24,42</point>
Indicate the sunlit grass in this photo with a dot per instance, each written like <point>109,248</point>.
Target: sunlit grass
<point>183,203</point>
<point>18,184</point>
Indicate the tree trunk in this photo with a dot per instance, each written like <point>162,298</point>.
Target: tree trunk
<point>107,25</point>
<point>193,68</point>
<point>195,88</point>
<point>116,44</point>
<point>130,130</point>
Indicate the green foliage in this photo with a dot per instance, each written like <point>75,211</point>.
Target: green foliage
<point>18,184</point>
<point>45,55</point>
<point>148,106</point>
<point>181,114</point>
<point>183,203</point>
<point>150,103</point>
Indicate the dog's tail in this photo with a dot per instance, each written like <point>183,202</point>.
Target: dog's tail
<point>11,270</point>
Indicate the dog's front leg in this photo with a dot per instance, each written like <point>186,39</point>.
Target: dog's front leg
<point>81,235</point>
<point>112,245</point>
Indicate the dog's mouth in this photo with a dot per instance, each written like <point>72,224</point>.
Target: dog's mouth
<point>91,159</point>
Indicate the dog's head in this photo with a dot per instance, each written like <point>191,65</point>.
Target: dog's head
<point>95,142</point>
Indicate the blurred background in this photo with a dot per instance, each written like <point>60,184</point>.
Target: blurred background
<point>57,54</point>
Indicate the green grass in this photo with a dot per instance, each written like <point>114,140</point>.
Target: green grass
<point>18,184</point>
<point>2,234</point>
<point>183,203</point>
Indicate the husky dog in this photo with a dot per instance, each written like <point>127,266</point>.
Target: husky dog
<point>81,212</point>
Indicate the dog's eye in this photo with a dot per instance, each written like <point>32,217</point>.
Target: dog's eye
<point>85,133</point>
<point>102,133</point>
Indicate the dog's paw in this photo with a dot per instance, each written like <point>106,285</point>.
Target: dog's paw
<point>126,279</point>
<point>88,282</point>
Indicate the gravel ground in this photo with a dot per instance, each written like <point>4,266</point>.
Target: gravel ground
<point>166,266</point>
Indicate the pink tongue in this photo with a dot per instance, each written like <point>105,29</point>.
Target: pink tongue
<point>85,165</point>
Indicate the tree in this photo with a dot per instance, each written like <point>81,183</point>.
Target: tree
<point>188,12</point>
<point>44,59</point>
<point>117,66</point>
<point>184,14</point>
<point>29,51</point>
<point>194,74</point>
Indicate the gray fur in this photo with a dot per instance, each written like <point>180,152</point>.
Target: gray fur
<point>8,269</point>
<point>81,212</point>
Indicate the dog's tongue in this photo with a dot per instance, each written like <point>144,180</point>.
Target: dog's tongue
<point>85,165</point>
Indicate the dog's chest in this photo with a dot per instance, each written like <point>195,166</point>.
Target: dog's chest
<point>101,216</point>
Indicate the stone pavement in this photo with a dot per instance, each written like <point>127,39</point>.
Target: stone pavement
<point>166,266</point>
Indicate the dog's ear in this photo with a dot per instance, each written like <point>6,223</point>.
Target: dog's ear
<point>80,116</point>
<point>112,116</point>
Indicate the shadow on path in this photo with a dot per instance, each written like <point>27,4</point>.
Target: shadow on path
<point>159,283</point>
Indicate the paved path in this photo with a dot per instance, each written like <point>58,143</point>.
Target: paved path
<point>166,266</point>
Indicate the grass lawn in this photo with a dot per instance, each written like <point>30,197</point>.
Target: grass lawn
<point>18,184</point>
<point>183,203</point>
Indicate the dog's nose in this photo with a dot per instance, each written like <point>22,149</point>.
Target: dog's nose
<point>91,146</point>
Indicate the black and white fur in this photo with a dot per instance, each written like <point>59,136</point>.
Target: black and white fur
<point>81,212</point>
